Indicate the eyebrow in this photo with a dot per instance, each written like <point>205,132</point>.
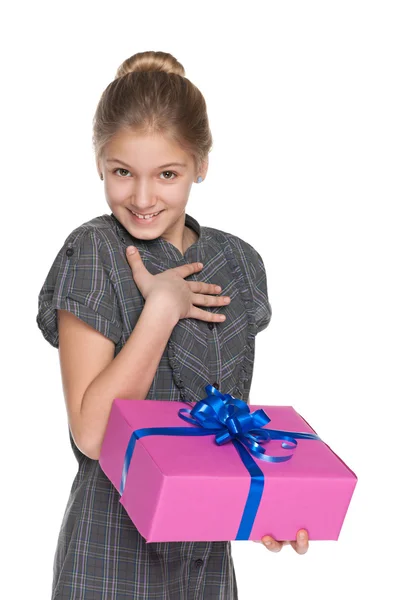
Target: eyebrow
<point>177,164</point>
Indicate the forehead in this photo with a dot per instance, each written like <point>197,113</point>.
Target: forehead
<point>147,147</point>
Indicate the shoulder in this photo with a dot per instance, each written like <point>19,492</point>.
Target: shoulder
<point>96,237</point>
<point>82,280</point>
<point>102,227</point>
<point>92,247</point>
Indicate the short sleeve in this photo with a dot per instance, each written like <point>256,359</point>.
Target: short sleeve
<point>261,301</point>
<point>80,281</point>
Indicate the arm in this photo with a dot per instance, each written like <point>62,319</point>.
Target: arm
<point>92,378</point>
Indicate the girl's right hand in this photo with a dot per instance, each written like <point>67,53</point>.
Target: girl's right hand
<point>178,294</point>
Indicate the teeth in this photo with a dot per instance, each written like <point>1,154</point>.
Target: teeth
<point>147,216</point>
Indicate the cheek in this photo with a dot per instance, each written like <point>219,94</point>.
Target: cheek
<point>117,193</point>
<point>176,194</point>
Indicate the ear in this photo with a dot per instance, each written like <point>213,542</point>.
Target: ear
<point>99,167</point>
<point>204,168</point>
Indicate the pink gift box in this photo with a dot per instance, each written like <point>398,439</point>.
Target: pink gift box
<point>190,488</point>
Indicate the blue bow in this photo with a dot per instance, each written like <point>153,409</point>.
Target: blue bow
<point>231,421</point>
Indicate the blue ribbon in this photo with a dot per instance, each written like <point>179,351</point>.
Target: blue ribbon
<point>231,421</point>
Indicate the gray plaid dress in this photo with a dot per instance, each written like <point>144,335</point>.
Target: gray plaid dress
<point>100,554</point>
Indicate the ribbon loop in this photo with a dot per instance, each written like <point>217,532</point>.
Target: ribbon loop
<point>233,419</point>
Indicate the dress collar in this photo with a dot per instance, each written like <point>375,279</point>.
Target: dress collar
<point>162,247</point>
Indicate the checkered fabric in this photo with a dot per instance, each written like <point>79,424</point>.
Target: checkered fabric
<point>100,554</point>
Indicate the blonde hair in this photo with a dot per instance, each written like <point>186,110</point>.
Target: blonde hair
<point>150,94</point>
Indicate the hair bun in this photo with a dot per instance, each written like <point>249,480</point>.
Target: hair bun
<point>150,61</point>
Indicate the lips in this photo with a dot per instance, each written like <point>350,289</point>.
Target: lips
<point>140,214</point>
<point>139,220</point>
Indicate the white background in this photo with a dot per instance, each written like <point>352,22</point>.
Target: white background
<point>303,101</point>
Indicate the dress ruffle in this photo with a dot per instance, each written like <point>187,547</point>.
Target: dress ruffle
<point>244,369</point>
<point>176,372</point>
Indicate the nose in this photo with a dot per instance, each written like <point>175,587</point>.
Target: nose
<point>143,198</point>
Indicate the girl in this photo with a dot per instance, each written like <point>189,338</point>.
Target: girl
<point>146,325</point>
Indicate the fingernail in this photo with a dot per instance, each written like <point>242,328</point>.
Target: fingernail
<point>218,288</point>
<point>131,250</point>
<point>267,543</point>
<point>200,264</point>
<point>302,536</point>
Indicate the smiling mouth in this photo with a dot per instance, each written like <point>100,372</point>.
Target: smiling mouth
<point>145,219</point>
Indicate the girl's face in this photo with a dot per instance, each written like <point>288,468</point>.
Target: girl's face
<point>141,175</point>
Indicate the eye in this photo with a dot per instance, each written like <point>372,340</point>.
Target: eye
<point>172,173</point>
<point>126,171</point>
<point>120,169</point>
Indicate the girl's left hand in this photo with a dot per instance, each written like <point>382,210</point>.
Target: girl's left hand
<point>300,544</point>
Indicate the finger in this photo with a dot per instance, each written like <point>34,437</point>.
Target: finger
<point>301,543</point>
<point>201,287</point>
<point>134,259</point>
<point>186,270</point>
<point>204,315</point>
<point>205,300</point>
<point>271,544</point>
